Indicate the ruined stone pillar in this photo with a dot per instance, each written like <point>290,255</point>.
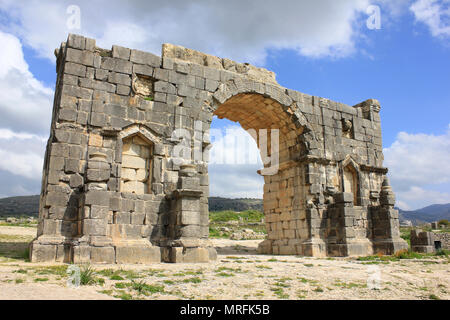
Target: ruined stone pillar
<point>386,226</point>
<point>187,243</point>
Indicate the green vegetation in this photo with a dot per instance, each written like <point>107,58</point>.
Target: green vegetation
<point>443,222</point>
<point>87,275</point>
<point>55,270</point>
<point>405,234</point>
<point>404,254</point>
<point>224,223</point>
<point>228,215</point>
<point>40,279</point>
<point>279,292</point>
<point>192,280</point>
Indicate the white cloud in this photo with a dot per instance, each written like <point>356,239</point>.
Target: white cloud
<point>241,30</point>
<point>416,161</point>
<point>26,103</point>
<point>25,109</point>
<point>21,154</point>
<point>435,14</point>
<point>234,160</point>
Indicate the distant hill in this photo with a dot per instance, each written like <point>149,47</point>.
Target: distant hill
<point>435,212</point>
<point>242,204</point>
<point>17,206</point>
<point>29,206</point>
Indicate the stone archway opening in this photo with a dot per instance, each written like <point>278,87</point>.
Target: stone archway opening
<point>277,138</point>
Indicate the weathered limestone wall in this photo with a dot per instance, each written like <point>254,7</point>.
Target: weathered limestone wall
<point>114,189</point>
<point>429,242</point>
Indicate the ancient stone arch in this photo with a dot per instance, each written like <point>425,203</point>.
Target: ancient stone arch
<point>125,176</point>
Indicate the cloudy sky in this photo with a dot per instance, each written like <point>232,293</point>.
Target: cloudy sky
<point>334,49</point>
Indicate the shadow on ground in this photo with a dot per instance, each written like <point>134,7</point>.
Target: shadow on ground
<point>236,249</point>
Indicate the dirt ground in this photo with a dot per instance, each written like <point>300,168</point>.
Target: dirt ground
<point>238,273</point>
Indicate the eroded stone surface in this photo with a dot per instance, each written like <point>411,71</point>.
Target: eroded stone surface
<point>115,170</point>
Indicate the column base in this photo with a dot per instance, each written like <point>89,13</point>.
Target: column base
<point>189,255</point>
<point>389,246</point>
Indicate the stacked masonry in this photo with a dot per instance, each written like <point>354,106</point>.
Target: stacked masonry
<point>112,191</point>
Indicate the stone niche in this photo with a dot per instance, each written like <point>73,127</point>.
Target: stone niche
<point>136,165</point>
<point>113,190</point>
<point>350,178</point>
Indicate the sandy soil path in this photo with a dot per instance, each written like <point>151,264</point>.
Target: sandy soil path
<point>238,273</point>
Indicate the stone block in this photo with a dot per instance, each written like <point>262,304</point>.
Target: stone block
<point>147,58</point>
<point>103,255</point>
<point>94,227</point>
<point>138,254</point>
<point>119,78</point>
<point>189,217</point>
<point>189,231</point>
<point>79,56</point>
<point>122,218</point>
<point>121,52</point>
<point>42,253</point>
<point>76,41</point>
<point>117,65</point>
<point>97,197</point>
<point>137,218</point>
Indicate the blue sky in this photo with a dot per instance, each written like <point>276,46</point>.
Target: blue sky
<point>322,48</point>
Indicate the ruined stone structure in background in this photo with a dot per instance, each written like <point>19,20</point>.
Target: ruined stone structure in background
<point>113,191</point>
<point>429,242</point>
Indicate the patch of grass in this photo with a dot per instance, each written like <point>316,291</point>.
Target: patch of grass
<point>108,292</point>
<point>148,98</point>
<point>121,285</point>
<point>193,272</point>
<point>235,258</point>
<point>17,281</point>
<point>130,274</point>
<point>433,297</point>
<point>124,296</point>
<point>309,265</point>
<point>169,282</point>
<point>272,260</point>
<point>442,252</point>
<point>151,289</point>
<point>282,284</point>
<point>192,280</point>
<point>318,289</point>
<point>55,270</point>
<point>349,285</point>
<point>279,292</point>
<point>40,279</point>
<point>23,271</point>
<point>116,277</point>
<point>260,266</point>
<point>87,275</point>
<point>408,254</point>
<point>214,232</point>
<point>224,274</point>
<point>228,215</point>
<point>107,272</point>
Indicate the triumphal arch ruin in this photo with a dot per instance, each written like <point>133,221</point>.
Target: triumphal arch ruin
<point>125,176</point>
